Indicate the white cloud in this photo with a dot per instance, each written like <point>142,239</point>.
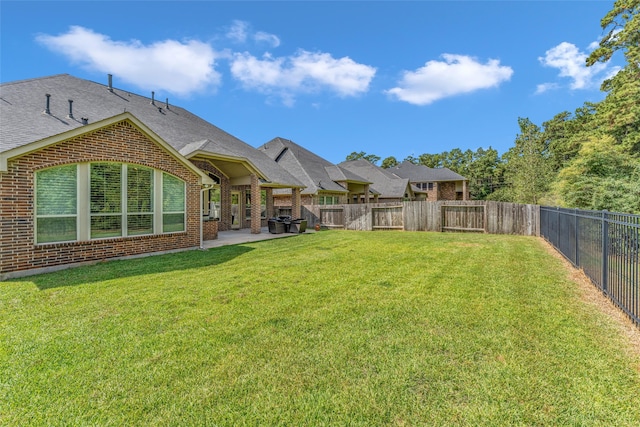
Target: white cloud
<point>238,31</point>
<point>544,87</point>
<point>241,31</point>
<point>177,67</point>
<point>571,62</point>
<point>270,39</point>
<point>304,72</point>
<point>457,74</point>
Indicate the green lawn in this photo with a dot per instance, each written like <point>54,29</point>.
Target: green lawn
<point>332,328</point>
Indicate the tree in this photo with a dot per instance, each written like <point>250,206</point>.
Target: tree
<point>372,158</point>
<point>431,160</point>
<point>412,159</point>
<point>623,22</point>
<point>484,173</point>
<point>565,133</point>
<point>601,177</point>
<point>620,110</point>
<point>389,162</point>
<point>528,166</point>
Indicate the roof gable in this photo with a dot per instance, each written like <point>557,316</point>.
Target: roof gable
<point>315,172</point>
<point>46,142</point>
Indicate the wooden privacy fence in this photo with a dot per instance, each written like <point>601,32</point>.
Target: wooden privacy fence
<point>452,216</point>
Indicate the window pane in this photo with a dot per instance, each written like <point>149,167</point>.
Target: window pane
<point>172,194</point>
<point>106,188</point>
<point>214,203</point>
<point>139,189</point>
<point>172,222</point>
<point>56,229</point>
<point>139,224</point>
<point>106,226</point>
<point>57,191</point>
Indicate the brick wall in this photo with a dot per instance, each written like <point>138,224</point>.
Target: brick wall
<point>120,142</point>
<point>210,229</point>
<point>446,191</point>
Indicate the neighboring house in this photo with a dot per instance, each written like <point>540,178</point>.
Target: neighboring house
<point>326,183</point>
<point>439,183</point>
<point>90,172</point>
<point>389,187</point>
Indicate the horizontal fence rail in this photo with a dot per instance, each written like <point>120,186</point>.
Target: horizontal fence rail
<point>605,245</point>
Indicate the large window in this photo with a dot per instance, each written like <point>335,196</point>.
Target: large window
<point>211,203</point>
<point>106,200</point>
<point>139,200</point>
<point>173,204</point>
<point>56,204</point>
<point>103,200</point>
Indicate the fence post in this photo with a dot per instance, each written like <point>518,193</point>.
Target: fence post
<point>577,240</point>
<point>605,252</point>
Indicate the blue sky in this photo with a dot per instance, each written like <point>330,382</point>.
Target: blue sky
<point>387,78</point>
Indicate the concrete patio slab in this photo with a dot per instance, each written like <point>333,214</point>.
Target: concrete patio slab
<point>234,237</point>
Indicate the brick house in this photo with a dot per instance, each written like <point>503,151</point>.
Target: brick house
<point>439,183</point>
<point>89,172</point>
<point>326,183</point>
<point>389,187</point>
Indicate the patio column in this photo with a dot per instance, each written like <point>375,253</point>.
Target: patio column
<point>270,211</point>
<point>464,190</point>
<point>255,205</point>
<point>225,205</point>
<point>295,203</point>
<point>366,193</point>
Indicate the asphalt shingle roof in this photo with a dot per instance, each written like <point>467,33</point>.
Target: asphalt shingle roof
<point>385,183</point>
<point>23,121</point>
<point>422,173</point>
<point>309,168</point>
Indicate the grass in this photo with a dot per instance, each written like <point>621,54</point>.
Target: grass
<point>332,328</point>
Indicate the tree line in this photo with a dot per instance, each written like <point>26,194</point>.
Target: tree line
<point>588,159</point>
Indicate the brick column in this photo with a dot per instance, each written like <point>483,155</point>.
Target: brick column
<point>255,205</point>
<point>464,190</point>
<point>270,210</point>
<point>295,203</point>
<point>225,205</point>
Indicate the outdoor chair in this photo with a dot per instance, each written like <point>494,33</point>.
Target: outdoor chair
<point>276,226</point>
<point>298,226</point>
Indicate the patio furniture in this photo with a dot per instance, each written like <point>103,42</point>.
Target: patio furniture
<point>276,226</point>
<point>298,226</point>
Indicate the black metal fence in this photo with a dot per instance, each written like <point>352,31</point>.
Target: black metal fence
<point>605,245</point>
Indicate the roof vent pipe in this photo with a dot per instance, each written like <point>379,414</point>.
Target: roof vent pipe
<point>70,109</point>
<point>46,109</point>
<point>153,98</point>
<point>167,104</point>
<point>110,82</point>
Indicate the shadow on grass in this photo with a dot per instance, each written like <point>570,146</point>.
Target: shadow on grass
<point>117,269</point>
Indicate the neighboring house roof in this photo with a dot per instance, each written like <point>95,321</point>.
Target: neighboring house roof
<point>422,173</point>
<point>385,183</point>
<point>312,170</point>
<point>23,121</point>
